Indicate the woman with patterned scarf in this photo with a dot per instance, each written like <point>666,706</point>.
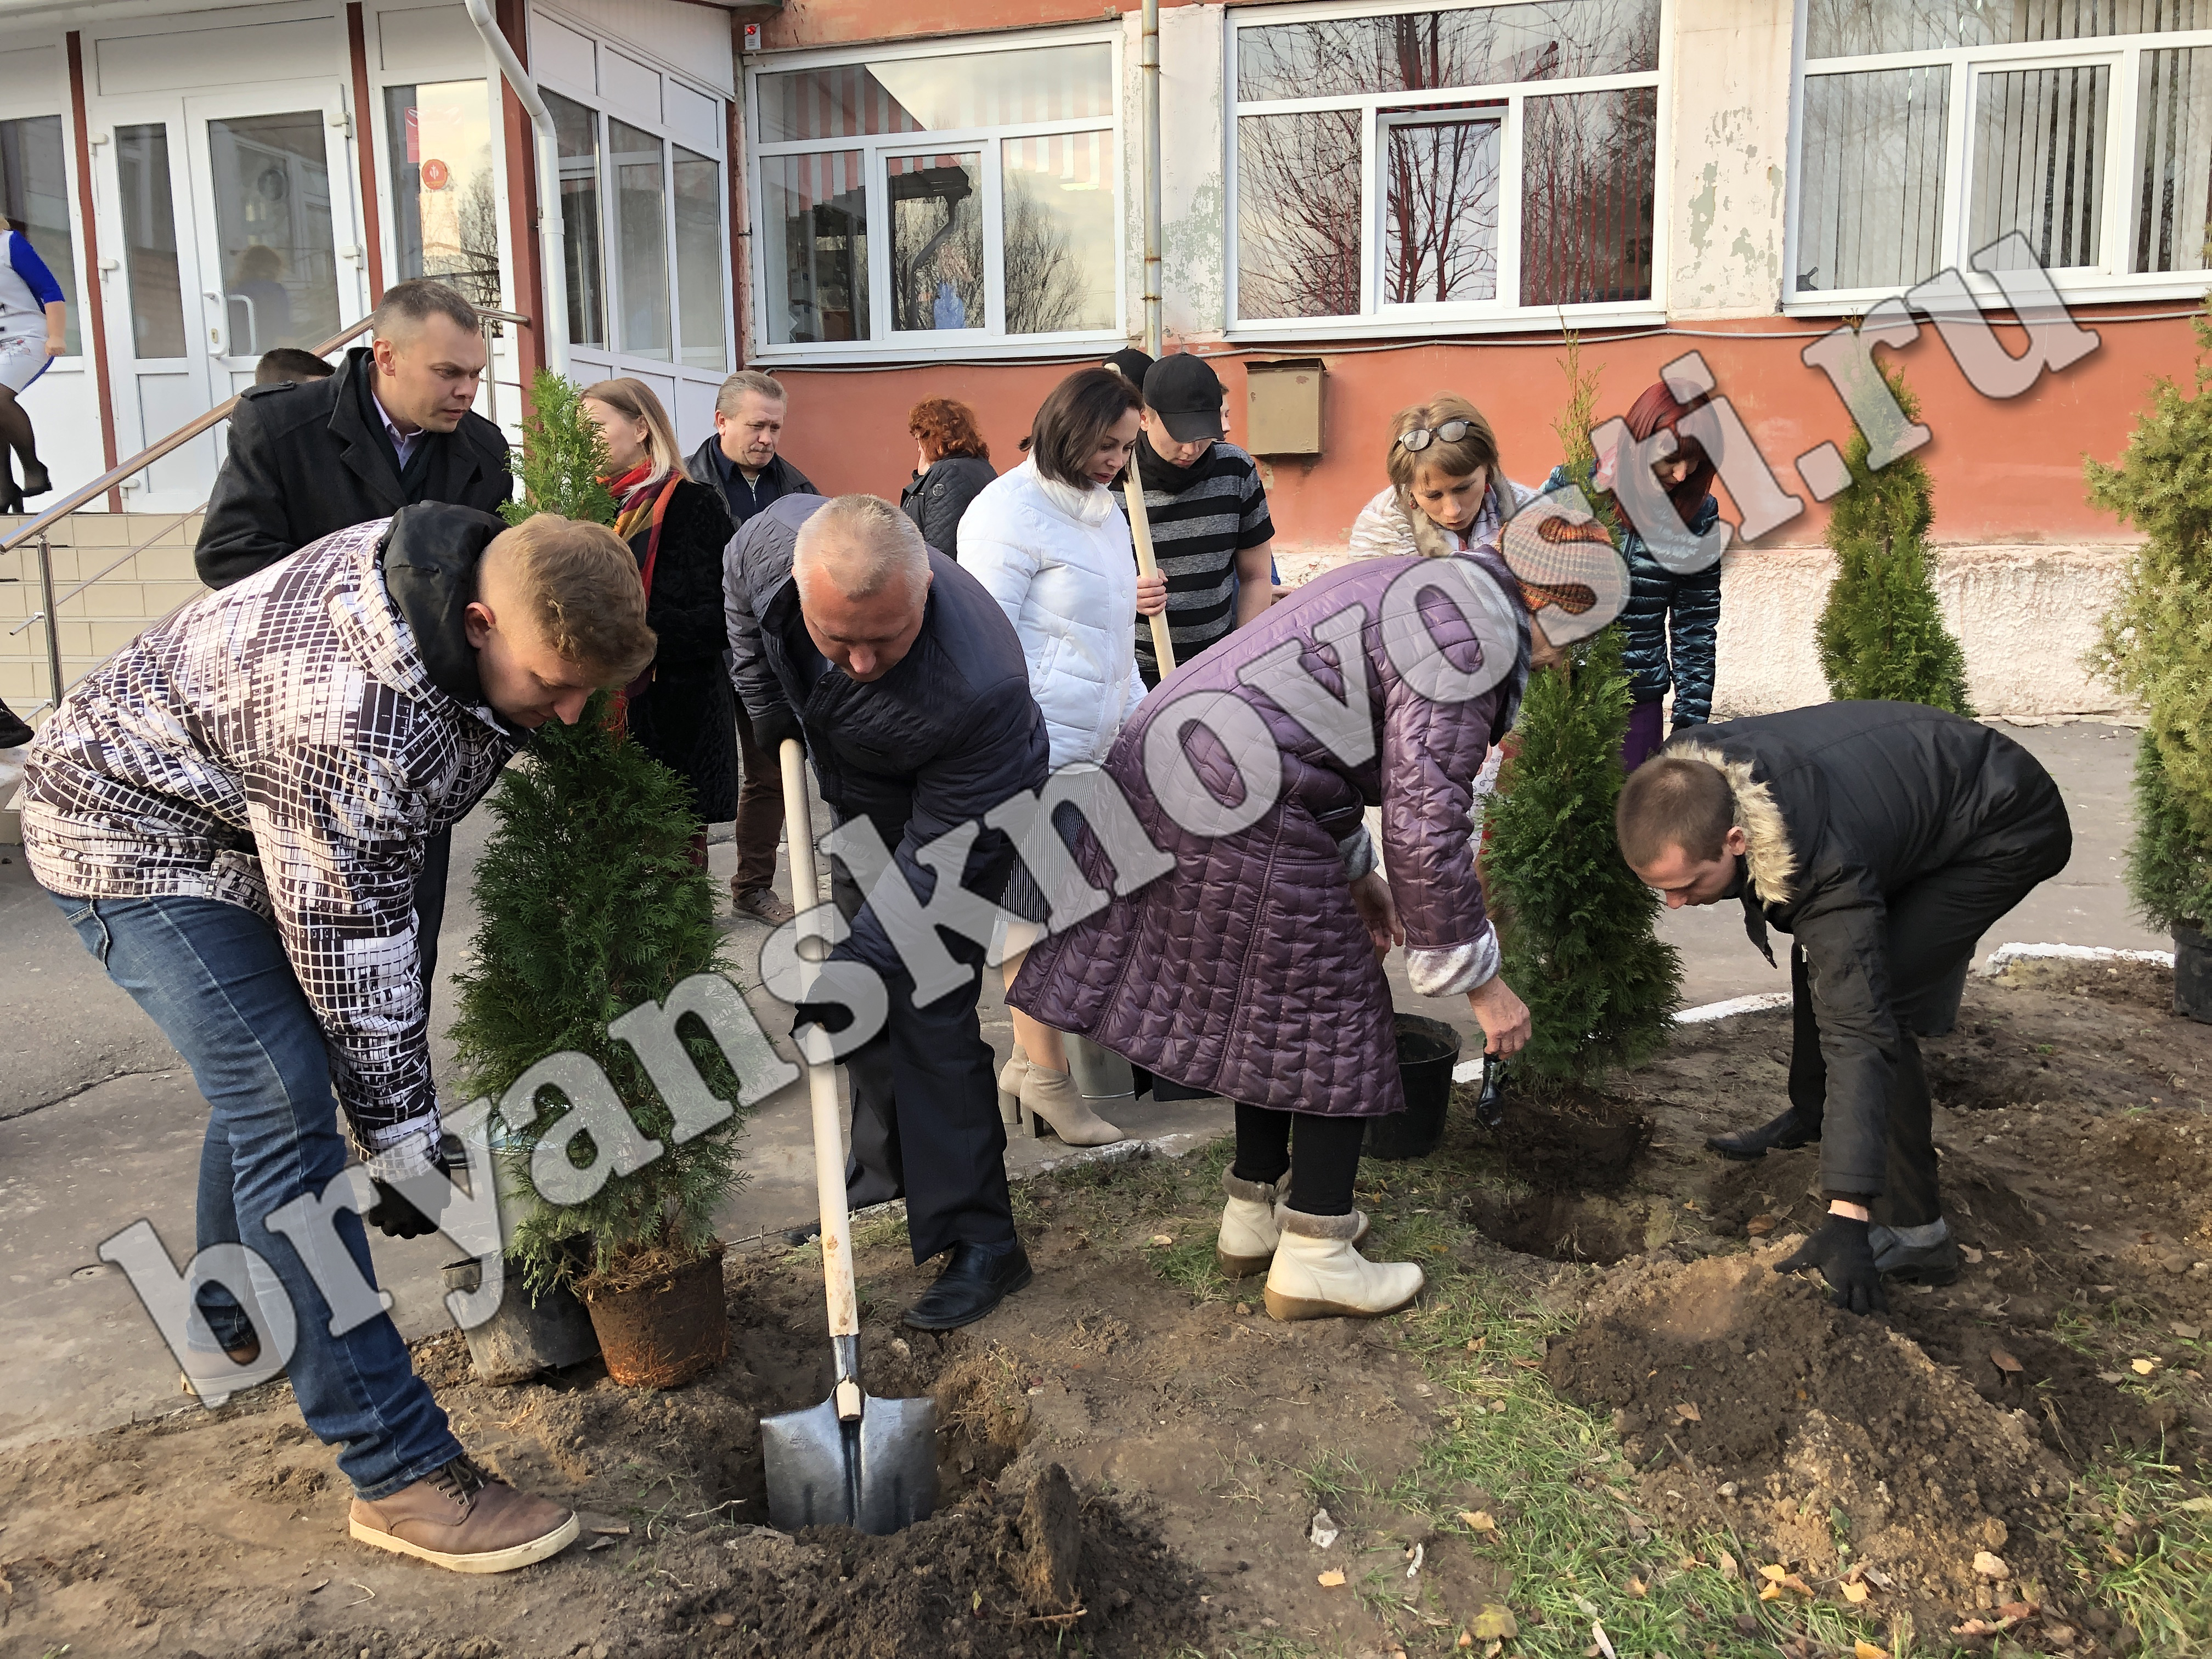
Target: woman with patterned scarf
<point>681,709</point>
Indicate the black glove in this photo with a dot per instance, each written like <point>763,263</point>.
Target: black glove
<point>771,729</point>
<point>1845,1258</point>
<point>395,1214</point>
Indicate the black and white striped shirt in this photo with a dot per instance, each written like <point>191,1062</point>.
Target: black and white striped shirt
<point>1218,510</point>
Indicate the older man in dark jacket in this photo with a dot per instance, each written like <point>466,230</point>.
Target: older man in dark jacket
<point>908,687</point>
<point>1885,838</point>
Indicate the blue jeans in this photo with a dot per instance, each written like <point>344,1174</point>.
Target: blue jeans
<point>214,978</point>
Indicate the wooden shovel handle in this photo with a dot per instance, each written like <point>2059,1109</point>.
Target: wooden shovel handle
<point>821,1071</point>
<point>1140,528</point>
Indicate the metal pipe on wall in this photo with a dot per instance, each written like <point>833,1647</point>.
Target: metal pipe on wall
<point>552,229</point>
<point>1149,60</point>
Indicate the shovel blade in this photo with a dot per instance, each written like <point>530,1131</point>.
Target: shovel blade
<point>876,1475</point>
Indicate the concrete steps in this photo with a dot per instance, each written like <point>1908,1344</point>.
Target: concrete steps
<point>153,578</point>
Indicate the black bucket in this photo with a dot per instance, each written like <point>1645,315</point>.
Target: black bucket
<point>2192,973</point>
<point>1428,1049</point>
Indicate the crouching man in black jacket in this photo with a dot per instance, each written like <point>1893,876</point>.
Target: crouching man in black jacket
<point>1885,837</point>
<point>907,684</point>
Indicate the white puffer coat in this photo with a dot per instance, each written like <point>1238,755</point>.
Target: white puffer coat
<point>1058,560</point>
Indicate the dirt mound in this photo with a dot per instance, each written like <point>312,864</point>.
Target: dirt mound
<point>1821,1440</point>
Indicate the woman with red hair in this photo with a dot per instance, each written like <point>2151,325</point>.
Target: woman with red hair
<point>1671,621</point>
<point>951,469</point>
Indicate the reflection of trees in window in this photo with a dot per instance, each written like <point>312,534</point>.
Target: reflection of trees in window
<point>1420,52</point>
<point>1588,159</point>
<point>1297,214</point>
<point>1045,282</point>
<point>936,244</point>
<point>472,266</point>
<point>1440,214</point>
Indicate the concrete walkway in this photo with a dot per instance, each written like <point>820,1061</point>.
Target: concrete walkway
<point>100,1126</point>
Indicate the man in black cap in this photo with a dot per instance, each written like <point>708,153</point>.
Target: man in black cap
<point>1211,531</point>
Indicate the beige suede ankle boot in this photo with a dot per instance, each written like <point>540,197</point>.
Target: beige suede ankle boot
<point>1317,1275</point>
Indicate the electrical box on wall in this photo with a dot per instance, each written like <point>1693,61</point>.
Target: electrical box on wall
<point>1282,414</point>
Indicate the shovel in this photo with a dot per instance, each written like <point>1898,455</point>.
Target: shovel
<point>853,1461</point>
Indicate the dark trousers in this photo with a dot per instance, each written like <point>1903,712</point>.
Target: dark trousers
<point>1328,1155</point>
<point>926,1112</point>
<point>759,814</point>
<point>430,906</point>
<point>1934,924</point>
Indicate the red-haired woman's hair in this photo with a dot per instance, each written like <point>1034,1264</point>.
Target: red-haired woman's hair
<point>948,426</point>
<point>1657,408</point>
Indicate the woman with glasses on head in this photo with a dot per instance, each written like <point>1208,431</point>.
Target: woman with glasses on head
<point>682,709</point>
<point>1251,968</point>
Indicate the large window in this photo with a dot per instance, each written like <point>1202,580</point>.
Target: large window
<point>657,206</point>
<point>35,195</point>
<point>945,198</point>
<point>444,205</point>
<point>1462,162</point>
<point>1930,129</point>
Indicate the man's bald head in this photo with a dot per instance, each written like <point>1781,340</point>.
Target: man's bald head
<point>863,576</point>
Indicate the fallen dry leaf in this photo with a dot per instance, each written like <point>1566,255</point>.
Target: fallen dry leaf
<point>1793,1582</point>
<point>1864,1648</point>
<point>1495,1623</point>
<point>1480,1520</point>
<point>1760,1226</point>
<point>2003,1361</point>
<point>1332,1579</point>
<point>2142,1367</point>
<point>2017,1610</point>
<point>1880,1579</point>
<point>1728,1566</point>
<point>2188,1333</point>
<point>1855,1593</point>
<point>1162,1240</point>
<point>598,1544</point>
<point>1770,1592</point>
<point>1688,1412</point>
<point>1973,1627</point>
<point>1774,1573</point>
<point>1638,1587</point>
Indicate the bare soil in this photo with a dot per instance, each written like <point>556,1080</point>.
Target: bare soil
<point>1126,1447</point>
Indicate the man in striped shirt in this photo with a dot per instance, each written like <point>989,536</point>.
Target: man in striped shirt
<point>1211,530</point>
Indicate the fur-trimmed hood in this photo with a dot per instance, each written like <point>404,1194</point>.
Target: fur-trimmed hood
<point>1770,861</point>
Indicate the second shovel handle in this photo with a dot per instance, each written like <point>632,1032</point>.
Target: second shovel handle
<point>821,1073</point>
<point>1140,531</point>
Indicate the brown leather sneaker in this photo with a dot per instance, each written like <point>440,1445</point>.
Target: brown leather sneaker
<point>761,903</point>
<point>462,1519</point>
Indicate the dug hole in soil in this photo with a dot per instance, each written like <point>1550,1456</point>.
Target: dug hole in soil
<point>1934,1446</point>
<point>1123,1447</point>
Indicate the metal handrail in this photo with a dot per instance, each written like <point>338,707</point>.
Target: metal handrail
<point>41,527</point>
<point>184,435</point>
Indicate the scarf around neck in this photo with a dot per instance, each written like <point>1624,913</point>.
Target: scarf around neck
<point>1159,473</point>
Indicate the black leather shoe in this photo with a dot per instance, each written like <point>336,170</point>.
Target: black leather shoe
<point>973,1283</point>
<point>1784,1134</point>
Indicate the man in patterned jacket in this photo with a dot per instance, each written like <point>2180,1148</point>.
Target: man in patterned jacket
<point>232,813</point>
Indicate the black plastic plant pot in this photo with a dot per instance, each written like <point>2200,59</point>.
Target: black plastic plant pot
<point>1428,1049</point>
<point>2192,973</point>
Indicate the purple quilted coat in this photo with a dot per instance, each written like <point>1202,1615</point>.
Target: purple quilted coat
<point>1245,970</point>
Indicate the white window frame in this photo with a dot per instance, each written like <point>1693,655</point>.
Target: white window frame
<point>620,362</point>
<point>1505,314</point>
<point>991,341</point>
<point>2107,282</point>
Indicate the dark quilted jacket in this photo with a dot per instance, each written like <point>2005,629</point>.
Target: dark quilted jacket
<point>947,735</point>
<point>1245,972</point>
<point>1846,805</point>
<point>936,500</point>
<point>1671,622</point>
<point>687,718</point>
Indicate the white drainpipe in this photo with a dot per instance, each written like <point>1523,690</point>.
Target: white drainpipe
<point>1148,63</point>
<point>552,235</point>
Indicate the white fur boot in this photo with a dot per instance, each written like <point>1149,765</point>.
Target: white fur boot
<point>1249,1228</point>
<point>1317,1275</point>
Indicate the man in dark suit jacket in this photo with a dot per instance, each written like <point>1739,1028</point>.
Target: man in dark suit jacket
<point>392,426</point>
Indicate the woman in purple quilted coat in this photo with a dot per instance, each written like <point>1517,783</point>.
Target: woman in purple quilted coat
<point>1251,964</point>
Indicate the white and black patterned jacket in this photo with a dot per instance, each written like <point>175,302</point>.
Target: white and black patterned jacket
<point>290,745</point>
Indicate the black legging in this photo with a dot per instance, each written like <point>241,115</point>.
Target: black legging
<point>1328,1155</point>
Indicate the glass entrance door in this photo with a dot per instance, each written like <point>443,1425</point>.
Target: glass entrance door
<point>236,221</point>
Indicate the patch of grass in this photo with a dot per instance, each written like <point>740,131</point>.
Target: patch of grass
<point>881,1232</point>
<point>2143,1555</point>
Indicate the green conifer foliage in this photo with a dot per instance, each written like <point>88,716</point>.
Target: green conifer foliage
<point>1882,634</point>
<point>563,453</point>
<point>1575,924</point>
<point>2156,643</point>
<point>590,904</point>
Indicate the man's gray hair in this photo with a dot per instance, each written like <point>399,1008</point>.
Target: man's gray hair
<point>732,394</point>
<point>859,543</point>
<point>409,305</point>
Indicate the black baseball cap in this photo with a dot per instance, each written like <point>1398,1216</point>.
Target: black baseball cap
<point>1186,393</point>
<point>1131,364</point>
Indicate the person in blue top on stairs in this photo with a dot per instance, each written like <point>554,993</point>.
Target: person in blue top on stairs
<point>34,329</point>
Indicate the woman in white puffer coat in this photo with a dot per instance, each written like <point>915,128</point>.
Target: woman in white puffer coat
<point>1049,542</point>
